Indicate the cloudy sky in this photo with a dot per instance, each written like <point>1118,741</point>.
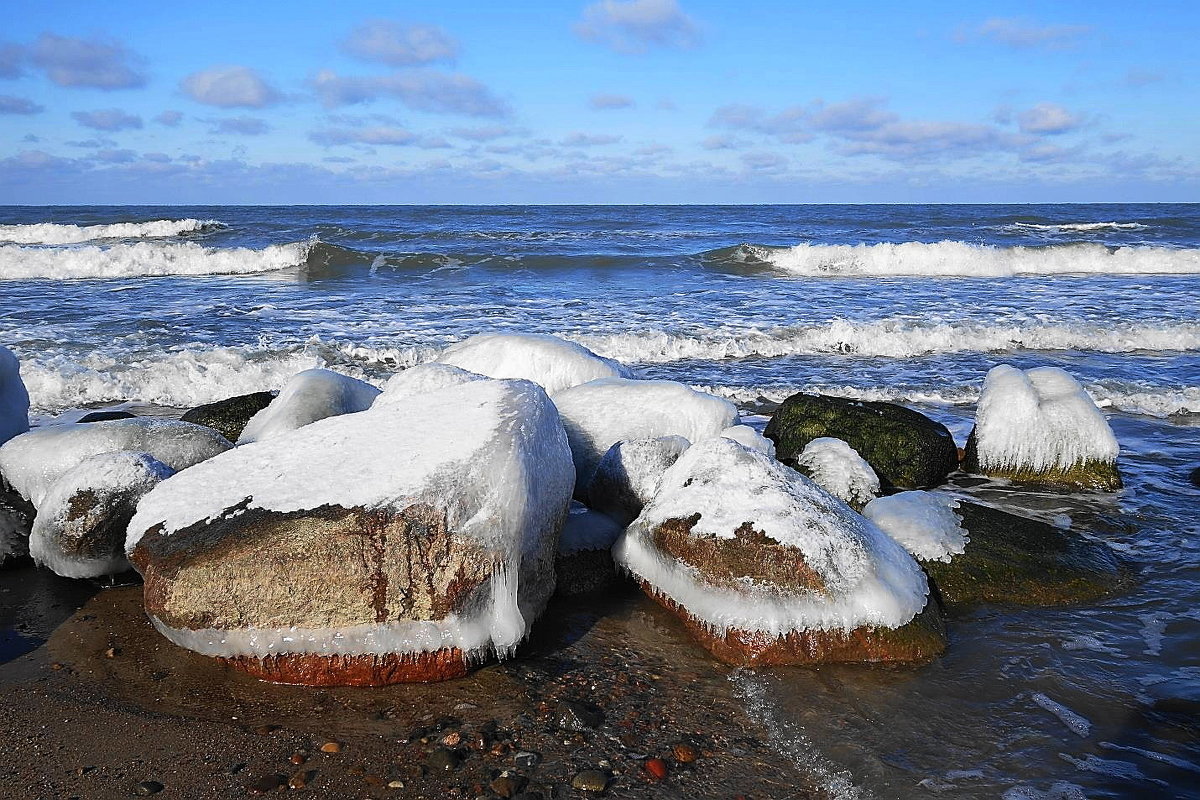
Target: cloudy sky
<point>613,101</point>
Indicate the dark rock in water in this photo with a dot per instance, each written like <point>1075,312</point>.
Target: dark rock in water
<point>584,572</point>
<point>104,416</point>
<point>573,715</point>
<point>905,448</point>
<point>1091,476</point>
<point>1195,477</point>
<point>16,521</point>
<point>1014,559</point>
<point>231,415</point>
<point>443,759</point>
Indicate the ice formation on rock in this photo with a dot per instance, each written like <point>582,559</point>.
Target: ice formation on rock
<point>14,400</point>
<point>838,469</point>
<point>309,396</point>
<point>79,531</point>
<point>553,363</point>
<point>629,473</point>
<point>603,412</point>
<point>922,522</point>
<point>587,529</point>
<point>33,461</point>
<point>744,434</point>
<point>422,379</point>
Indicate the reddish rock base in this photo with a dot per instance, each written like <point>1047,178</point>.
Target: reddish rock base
<point>311,669</point>
<point>921,640</point>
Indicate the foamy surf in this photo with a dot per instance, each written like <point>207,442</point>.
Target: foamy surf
<point>58,233</point>
<point>146,259</point>
<point>1077,227</point>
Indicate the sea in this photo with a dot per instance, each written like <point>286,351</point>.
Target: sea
<point>161,308</point>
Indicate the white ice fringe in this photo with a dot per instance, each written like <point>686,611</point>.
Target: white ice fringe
<point>837,467</point>
<point>925,523</point>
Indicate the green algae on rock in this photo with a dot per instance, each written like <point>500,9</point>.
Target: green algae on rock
<point>229,416</point>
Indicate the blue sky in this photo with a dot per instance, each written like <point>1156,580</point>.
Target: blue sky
<point>614,101</point>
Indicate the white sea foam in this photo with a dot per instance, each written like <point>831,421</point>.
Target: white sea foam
<point>959,259</point>
<point>1077,724</point>
<point>1078,227</point>
<point>146,259</point>
<point>57,233</point>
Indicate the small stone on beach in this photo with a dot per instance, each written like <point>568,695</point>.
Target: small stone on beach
<point>590,780</point>
<point>146,788</point>
<point>331,747</point>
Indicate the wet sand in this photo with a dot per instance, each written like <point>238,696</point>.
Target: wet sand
<point>107,703</point>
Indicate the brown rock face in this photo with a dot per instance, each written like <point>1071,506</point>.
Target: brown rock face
<point>311,669</point>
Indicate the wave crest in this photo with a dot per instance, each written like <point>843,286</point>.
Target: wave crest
<point>57,233</point>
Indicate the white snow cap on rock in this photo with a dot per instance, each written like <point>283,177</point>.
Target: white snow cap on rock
<point>555,364</point>
<point>33,461</point>
<point>837,468</point>
<point>744,434</point>
<point>309,396</point>
<point>868,578</point>
<point>587,529</point>
<point>603,412</point>
<point>110,479</point>
<point>423,379</point>
<point>629,474</point>
<point>1039,419</point>
<point>923,522</point>
<point>14,400</point>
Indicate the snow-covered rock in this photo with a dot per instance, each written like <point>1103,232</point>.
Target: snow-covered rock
<point>14,400</point>
<point>1040,426</point>
<point>603,412</point>
<point>79,531</point>
<point>629,473</point>
<point>744,434</point>
<point>923,523</point>
<point>838,469</point>
<point>765,567</point>
<point>423,379</point>
<point>553,363</point>
<point>419,550</point>
<point>309,396</point>
<point>33,461</point>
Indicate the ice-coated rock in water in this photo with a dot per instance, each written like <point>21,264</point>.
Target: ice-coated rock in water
<point>584,563</point>
<point>309,396</point>
<point>1040,426</point>
<point>229,416</point>
<point>628,475</point>
<point>838,469</point>
<point>587,529</point>
<point>14,400</point>
<point>765,567</point>
<point>33,461</point>
<point>79,531</point>
<point>922,522</point>
<point>603,412</point>
<point>422,379</point>
<point>553,363</point>
<point>746,435</point>
<point>420,549</point>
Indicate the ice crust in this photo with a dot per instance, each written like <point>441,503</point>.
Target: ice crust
<point>629,474</point>
<point>869,579</point>
<point>744,434</point>
<point>145,259</point>
<point>553,363</point>
<point>14,400</point>
<point>924,523</point>
<point>57,233</point>
<point>1039,419</point>
<point>309,396</point>
<point>603,412</point>
<point>837,468</point>
<point>33,461</point>
<point>422,379</point>
<point>587,529</point>
<point>111,478</point>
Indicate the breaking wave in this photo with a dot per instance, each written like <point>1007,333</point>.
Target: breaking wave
<point>959,259</point>
<point>56,233</point>
<point>1077,227</point>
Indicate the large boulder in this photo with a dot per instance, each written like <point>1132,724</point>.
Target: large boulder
<point>1039,426</point>
<point>554,364</point>
<point>14,399</point>
<point>923,523</point>
<point>423,379</point>
<point>603,412</point>
<point>79,531</point>
<point>765,567</point>
<point>421,549</point>
<point>33,461</point>
<point>838,469</point>
<point>629,473</point>
<point>229,416</point>
<point>584,563</point>
<point>309,396</point>
<point>905,448</point>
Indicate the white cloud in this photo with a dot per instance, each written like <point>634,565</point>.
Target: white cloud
<point>230,87</point>
<point>241,126</point>
<point>580,139</point>
<point>107,119</point>
<point>635,26</point>
<point>169,118</point>
<point>1025,35</point>
<point>18,105</point>
<point>1048,118</point>
<point>400,45</point>
<point>606,102</point>
<point>436,92</point>
<point>376,135</point>
<point>93,64</point>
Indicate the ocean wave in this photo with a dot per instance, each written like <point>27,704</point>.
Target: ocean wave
<point>1077,227</point>
<point>896,338</point>
<point>958,259</point>
<point>56,233</point>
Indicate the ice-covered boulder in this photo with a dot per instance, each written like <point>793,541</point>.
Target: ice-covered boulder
<point>603,412</point>
<point>33,461</point>
<point>309,396</point>
<point>922,522</point>
<point>905,448</point>
<point>553,363</point>
<point>1040,426</point>
<point>79,531</point>
<point>584,563</point>
<point>628,475</point>
<point>838,469</point>
<point>229,416</point>
<point>419,551</point>
<point>765,567</point>
<point>422,379</point>
<point>14,400</point>
<point>744,434</point>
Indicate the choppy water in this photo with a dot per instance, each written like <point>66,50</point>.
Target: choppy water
<point>906,303</point>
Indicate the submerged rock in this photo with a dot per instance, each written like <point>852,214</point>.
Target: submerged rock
<point>552,363</point>
<point>765,567</point>
<point>105,416</point>
<point>229,416</point>
<point>309,396</point>
<point>416,553</point>
<point>904,447</point>
<point>14,399</point>
<point>584,563</point>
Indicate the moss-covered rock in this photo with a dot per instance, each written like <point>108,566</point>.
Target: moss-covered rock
<point>1014,559</point>
<point>905,448</point>
<point>1092,476</point>
<point>229,416</point>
